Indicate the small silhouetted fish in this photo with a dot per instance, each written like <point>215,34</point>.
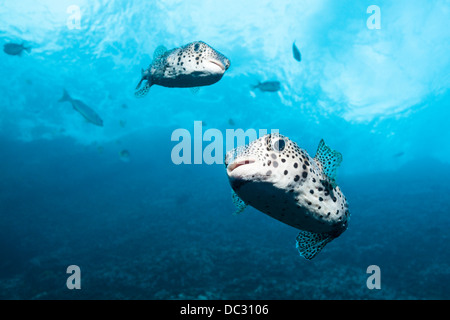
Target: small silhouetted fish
<point>397,155</point>
<point>124,155</point>
<point>231,122</point>
<point>296,52</point>
<point>89,114</point>
<point>15,49</point>
<point>269,86</point>
<point>123,123</point>
<point>124,106</point>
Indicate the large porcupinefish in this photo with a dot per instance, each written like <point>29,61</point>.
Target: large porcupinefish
<point>193,65</point>
<point>275,176</point>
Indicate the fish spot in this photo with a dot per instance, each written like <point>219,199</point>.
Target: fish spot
<point>285,172</point>
<point>296,165</point>
<point>311,191</point>
<point>268,173</point>
<point>320,199</point>
<point>273,155</point>
<point>304,174</point>
<point>296,178</point>
<point>275,164</point>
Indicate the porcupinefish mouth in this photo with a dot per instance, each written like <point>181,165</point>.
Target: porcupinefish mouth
<point>238,164</point>
<point>218,63</point>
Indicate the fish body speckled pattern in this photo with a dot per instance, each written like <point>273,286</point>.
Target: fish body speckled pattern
<point>275,176</point>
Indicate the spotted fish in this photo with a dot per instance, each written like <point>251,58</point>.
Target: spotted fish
<point>275,176</point>
<point>193,65</point>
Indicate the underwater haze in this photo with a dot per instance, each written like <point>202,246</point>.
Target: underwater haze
<point>91,180</point>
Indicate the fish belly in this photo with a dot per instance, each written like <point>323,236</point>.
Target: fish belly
<point>282,206</point>
<point>187,80</point>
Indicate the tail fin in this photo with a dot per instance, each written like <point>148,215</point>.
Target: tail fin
<point>142,79</point>
<point>143,91</point>
<point>309,244</point>
<point>256,85</point>
<point>27,49</point>
<point>65,97</point>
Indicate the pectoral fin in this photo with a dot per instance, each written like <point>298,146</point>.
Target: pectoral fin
<point>238,202</point>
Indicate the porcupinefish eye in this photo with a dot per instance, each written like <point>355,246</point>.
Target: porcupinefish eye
<point>279,144</point>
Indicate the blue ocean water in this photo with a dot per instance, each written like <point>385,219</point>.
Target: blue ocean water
<point>111,200</point>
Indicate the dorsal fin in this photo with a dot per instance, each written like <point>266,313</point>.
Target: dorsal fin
<point>159,51</point>
<point>329,160</point>
<point>238,202</point>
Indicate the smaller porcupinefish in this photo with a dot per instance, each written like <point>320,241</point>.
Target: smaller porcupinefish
<point>275,176</point>
<point>193,65</point>
<point>86,111</point>
<point>14,49</point>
